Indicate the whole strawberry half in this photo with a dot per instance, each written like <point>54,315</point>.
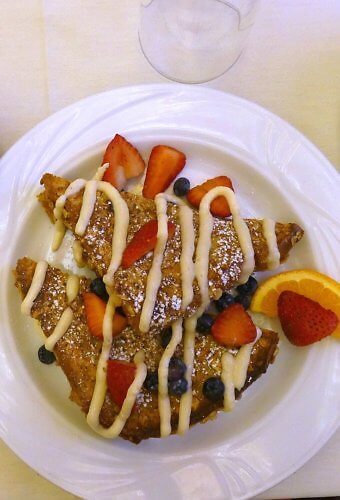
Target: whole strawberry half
<point>303,320</point>
<point>234,327</point>
<point>124,161</point>
<point>165,163</point>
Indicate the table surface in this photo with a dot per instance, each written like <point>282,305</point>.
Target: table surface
<point>54,52</point>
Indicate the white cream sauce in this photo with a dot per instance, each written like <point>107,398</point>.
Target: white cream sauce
<point>273,259</point>
<point>60,329</point>
<point>188,249</point>
<point>71,190</point>
<point>72,287</point>
<point>155,274</point>
<point>204,238</point>
<point>228,363</point>
<point>59,233</point>
<point>98,176</point>
<point>36,285</point>
<point>234,371</point>
<point>188,358</point>
<point>163,369</point>
<point>77,250</point>
<point>121,225</point>
<point>89,200</point>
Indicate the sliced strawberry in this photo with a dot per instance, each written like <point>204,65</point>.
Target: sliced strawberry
<point>119,377</point>
<point>303,320</point>
<point>219,207</point>
<point>165,163</point>
<point>124,161</point>
<point>233,327</point>
<point>143,241</point>
<point>95,310</point>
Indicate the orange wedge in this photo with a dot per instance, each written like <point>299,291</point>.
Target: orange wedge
<point>311,284</point>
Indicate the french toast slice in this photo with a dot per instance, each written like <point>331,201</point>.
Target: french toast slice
<point>225,259</point>
<point>77,353</point>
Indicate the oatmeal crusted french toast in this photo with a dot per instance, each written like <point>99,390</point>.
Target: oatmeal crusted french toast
<point>225,259</point>
<point>77,353</point>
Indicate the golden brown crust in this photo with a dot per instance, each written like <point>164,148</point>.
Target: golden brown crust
<point>77,353</point>
<point>225,259</point>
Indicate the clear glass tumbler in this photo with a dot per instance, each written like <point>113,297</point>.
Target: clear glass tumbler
<point>193,41</point>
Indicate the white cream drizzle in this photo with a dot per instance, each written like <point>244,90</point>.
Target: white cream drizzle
<point>98,176</point>
<point>234,371</point>
<point>100,388</point>
<point>89,200</point>
<point>71,190</point>
<point>163,369</point>
<point>72,287</point>
<point>155,274</point>
<point>60,329</point>
<point>273,259</point>
<point>228,363</point>
<point>58,236</point>
<point>188,249</point>
<point>121,225</point>
<point>188,358</point>
<point>204,238</point>
<point>36,285</point>
<point>77,250</point>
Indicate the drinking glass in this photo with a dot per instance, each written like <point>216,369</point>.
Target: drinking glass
<point>193,41</point>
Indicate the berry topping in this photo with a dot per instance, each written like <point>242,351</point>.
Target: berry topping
<point>303,320</point>
<point>166,337</point>
<point>181,186</point>
<point>244,300</point>
<point>95,310</point>
<point>119,376</point>
<point>248,288</point>
<point>143,241</point>
<point>219,206</point>
<point>204,323</point>
<point>45,356</point>
<point>224,301</point>
<point>124,162</point>
<point>234,327</point>
<point>213,389</point>
<point>178,387</point>
<point>165,163</point>
<point>177,369</point>
<point>151,382</point>
<point>97,286</point>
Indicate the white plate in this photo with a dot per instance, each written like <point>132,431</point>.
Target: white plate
<point>287,415</point>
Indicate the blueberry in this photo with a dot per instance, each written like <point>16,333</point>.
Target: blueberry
<point>181,186</point>
<point>248,288</point>
<point>224,301</point>
<point>166,337</point>
<point>178,387</point>
<point>177,369</point>
<point>45,356</point>
<point>151,381</point>
<point>97,286</point>
<point>213,389</point>
<point>204,323</point>
<point>244,300</point>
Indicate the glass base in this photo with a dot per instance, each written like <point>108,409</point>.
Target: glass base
<point>188,80</point>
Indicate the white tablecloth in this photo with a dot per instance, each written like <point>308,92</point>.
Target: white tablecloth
<point>54,52</point>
